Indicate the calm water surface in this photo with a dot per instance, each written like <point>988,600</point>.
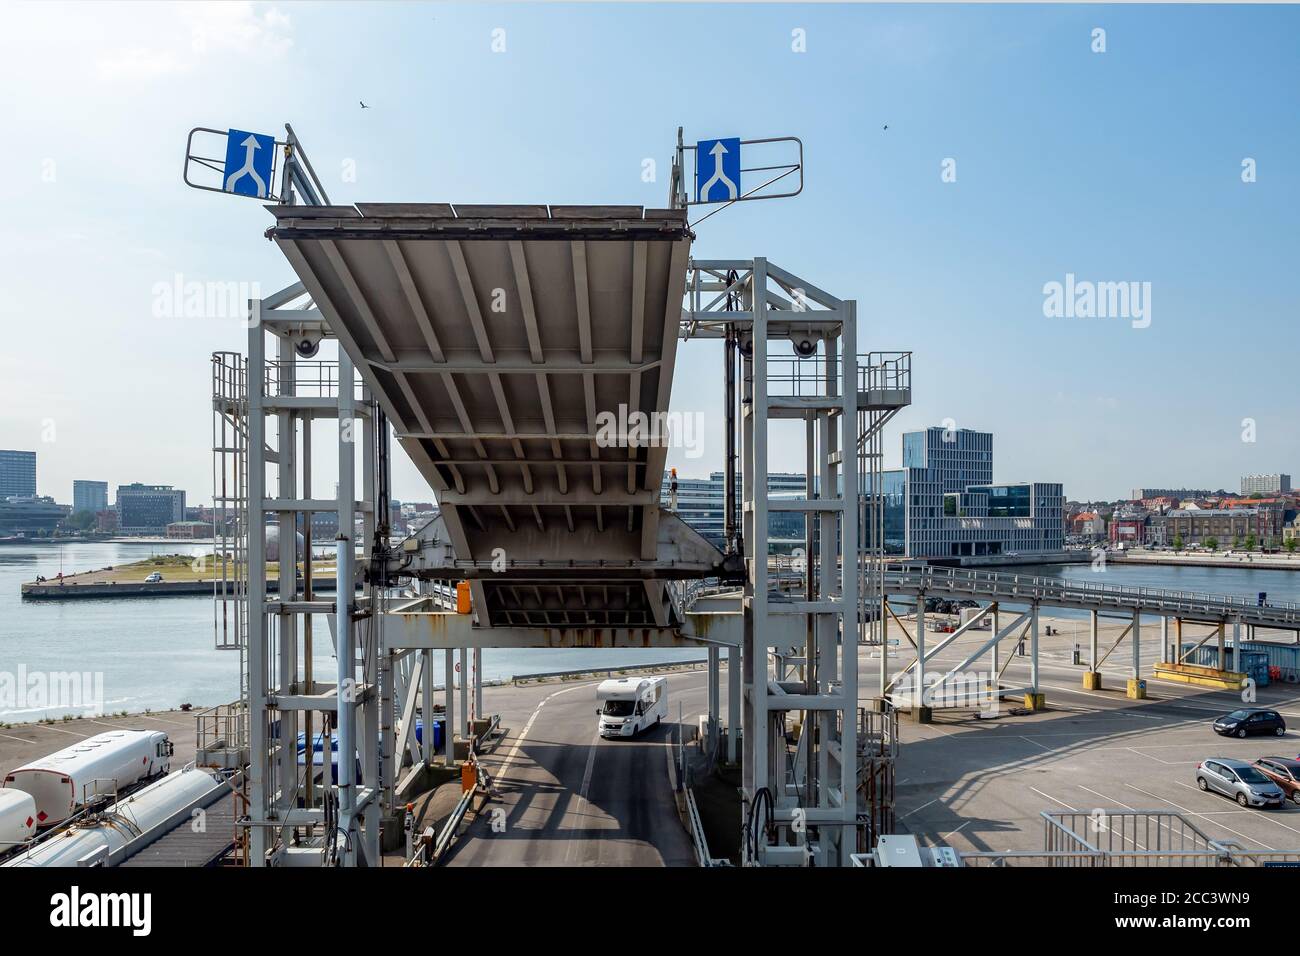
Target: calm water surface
<point>160,652</point>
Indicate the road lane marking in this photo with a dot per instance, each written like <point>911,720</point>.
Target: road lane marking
<point>505,765</point>
<point>581,805</point>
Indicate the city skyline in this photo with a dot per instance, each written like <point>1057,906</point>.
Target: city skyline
<point>1094,162</point>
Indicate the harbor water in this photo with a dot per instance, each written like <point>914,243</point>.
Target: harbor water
<point>157,653</point>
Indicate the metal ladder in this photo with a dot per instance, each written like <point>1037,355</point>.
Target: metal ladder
<point>230,507</point>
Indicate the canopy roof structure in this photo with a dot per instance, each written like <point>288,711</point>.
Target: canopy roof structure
<point>501,341</point>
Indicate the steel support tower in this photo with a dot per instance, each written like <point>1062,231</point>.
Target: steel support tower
<point>798,359</point>
<point>271,606</point>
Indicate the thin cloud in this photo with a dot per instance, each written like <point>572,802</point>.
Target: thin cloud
<point>242,29</point>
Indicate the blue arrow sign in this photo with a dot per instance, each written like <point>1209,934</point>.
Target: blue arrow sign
<point>717,170</point>
<point>250,158</point>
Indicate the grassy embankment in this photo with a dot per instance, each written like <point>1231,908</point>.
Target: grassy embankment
<point>178,567</point>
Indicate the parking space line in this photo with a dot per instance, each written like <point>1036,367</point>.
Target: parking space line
<point>1193,813</point>
<point>918,809</point>
<point>1048,796</point>
<point>955,832</point>
<point>1119,803</point>
<point>70,733</point>
<point>1167,763</point>
<point>1254,813</point>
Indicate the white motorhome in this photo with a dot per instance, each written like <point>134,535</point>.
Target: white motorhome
<point>108,763</point>
<point>629,705</point>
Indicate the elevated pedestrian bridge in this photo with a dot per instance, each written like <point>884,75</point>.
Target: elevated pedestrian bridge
<point>1087,596</point>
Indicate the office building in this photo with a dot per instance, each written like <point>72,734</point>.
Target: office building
<point>1229,527</point>
<point>148,509</point>
<point>701,503</point>
<point>17,474</point>
<point>943,503</point>
<point>89,496</point>
<point>29,515</point>
<point>1266,484</point>
<point>1141,494</point>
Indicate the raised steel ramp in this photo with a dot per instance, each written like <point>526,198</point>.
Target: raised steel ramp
<point>184,845</point>
<point>494,337</point>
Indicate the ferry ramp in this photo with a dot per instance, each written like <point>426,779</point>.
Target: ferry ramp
<point>513,348</point>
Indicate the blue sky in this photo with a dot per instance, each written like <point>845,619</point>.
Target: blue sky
<point>1115,166</point>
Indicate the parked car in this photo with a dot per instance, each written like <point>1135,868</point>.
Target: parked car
<point>1250,722</point>
<point>1284,772</point>
<point>154,578</point>
<point>1246,784</point>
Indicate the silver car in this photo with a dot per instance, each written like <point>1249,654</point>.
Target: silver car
<point>1239,780</point>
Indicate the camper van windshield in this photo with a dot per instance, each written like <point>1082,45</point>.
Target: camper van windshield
<point>619,708</point>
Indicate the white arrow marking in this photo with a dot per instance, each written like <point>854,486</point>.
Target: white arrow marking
<point>251,145</point>
<point>717,152</point>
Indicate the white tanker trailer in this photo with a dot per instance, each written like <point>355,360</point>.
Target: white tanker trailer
<point>140,818</point>
<point>17,819</point>
<point>106,764</point>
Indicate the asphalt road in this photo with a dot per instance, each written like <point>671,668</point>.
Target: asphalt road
<point>566,797</point>
<point>982,784</point>
<point>569,798</point>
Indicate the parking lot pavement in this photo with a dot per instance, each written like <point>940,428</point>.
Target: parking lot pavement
<point>21,743</point>
<point>982,784</point>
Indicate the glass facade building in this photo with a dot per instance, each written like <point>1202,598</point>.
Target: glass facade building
<point>89,496</point>
<point>943,503</point>
<point>701,504</point>
<point>17,474</point>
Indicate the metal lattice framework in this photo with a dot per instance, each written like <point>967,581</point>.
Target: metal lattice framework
<point>767,313</point>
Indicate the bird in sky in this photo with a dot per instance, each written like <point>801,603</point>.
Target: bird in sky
<point>363,105</point>
<point>886,126</point>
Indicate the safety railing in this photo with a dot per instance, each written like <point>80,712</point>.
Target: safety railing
<point>306,379</point>
<point>1034,858</point>
<point>816,376</point>
<point>221,730</point>
<point>1060,592</point>
<point>885,371</point>
<point>698,839</point>
<point>1127,838</point>
<point>878,731</point>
